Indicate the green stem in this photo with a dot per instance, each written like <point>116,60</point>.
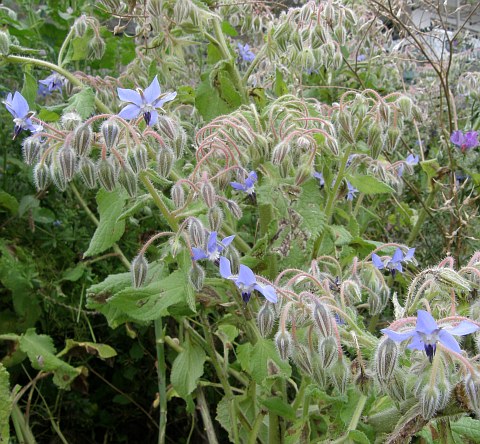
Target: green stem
<point>70,77</point>
<point>254,64</point>
<point>252,439</point>
<point>93,218</point>
<point>207,420</point>
<point>64,46</point>
<point>422,216</point>
<point>171,220</point>
<point>161,374</point>
<point>238,241</point>
<point>22,429</point>
<point>273,437</point>
<point>357,413</point>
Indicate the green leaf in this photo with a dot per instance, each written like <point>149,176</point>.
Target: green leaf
<point>80,47</point>
<point>83,103</point>
<point>75,273</point>
<point>227,333</point>
<point>5,404</point>
<point>430,167</point>
<point>30,87</point>
<point>228,92</point>
<point>358,436</point>
<point>280,87</point>
<point>228,29</point>
<point>369,184</point>
<point>279,407</point>
<point>263,352</point>
<point>468,428</point>
<point>208,101</point>
<point>41,352</point>
<point>187,369</point>
<point>26,204</point>
<point>9,202</point>
<point>103,351</point>
<point>110,229</point>
<point>48,116</point>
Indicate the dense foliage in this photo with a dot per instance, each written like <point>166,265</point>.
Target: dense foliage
<point>239,222</point>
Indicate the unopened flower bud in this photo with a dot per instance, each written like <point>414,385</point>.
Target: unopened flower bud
<point>4,43</point>
<point>139,269</point>
<point>303,173</point>
<point>67,161</point>
<point>31,150</point>
<point>302,358</point>
<point>376,302</point>
<point>345,120</point>
<point>406,105</point>
<point>138,158</point>
<point>384,113</point>
<point>362,378</point>
<point>322,319</point>
<point>472,390</point>
<point>280,152</point>
<point>332,145</point>
<point>319,373</point>
<point>215,218</point>
<point>179,143</point>
<point>208,193</point>
<point>339,375</point>
<point>88,172</point>
<point>71,120</point>
<point>266,319</point>
<point>165,160</point>
<point>283,341</point>
<point>396,387</point>
<point>340,34</point>
<point>196,232</point>
<point>385,359</point>
<point>110,131</point>
<point>429,401</point>
<point>178,195</point>
<point>196,276</point>
<point>80,26</point>
<point>58,177</point>
<point>234,208</point>
<point>82,140</point>
<point>393,136</point>
<point>232,254</point>
<point>96,48</point>
<point>107,174</point>
<point>374,139</point>
<point>285,167</point>
<point>167,126</point>
<point>328,351</point>
<point>128,179</point>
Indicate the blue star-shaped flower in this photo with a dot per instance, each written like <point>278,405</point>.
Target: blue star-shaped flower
<point>53,82</point>
<point>351,191</point>
<point>427,333</point>
<point>18,107</point>
<point>144,102</point>
<point>214,248</point>
<point>465,141</point>
<point>249,185</point>
<point>393,264</point>
<point>245,52</point>
<point>320,178</point>
<point>246,281</point>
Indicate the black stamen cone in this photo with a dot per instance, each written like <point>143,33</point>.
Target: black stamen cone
<point>430,351</point>
<point>147,116</point>
<point>246,297</point>
<point>253,198</point>
<point>17,130</point>
<point>393,272</point>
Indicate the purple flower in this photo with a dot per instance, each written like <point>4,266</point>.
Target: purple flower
<point>411,160</point>
<point>245,52</point>
<point>18,107</point>
<point>246,281</point>
<point>320,178</point>
<point>53,82</point>
<point>144,102</point>
<point>465,141</point>
<point>351,191</point>
<point>214,248</point>
<point>361,57</point>
<point>427,333</point>
<point>248,186</point>
<point>393,264</point>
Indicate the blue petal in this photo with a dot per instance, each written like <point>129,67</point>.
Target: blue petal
<point>225,270</point>
<point>396,336</point>
<point>164,99</point>
<point>8,103</point>
<point>212,242</point>
<point>464,328</point>
<point>409,256</point>
<point>153,118</point>
<point>198,254</point>
<point>129,112</point>
<point>425,322</point>
<point>397,256</point>
<point>449,341</point>
<point>237,186</point>
<point>249,183</point>
<point>129,95</point>
<point>253,176</point>
<point>153,91</point>
<point>228,240</point>
<point>246,276</point>
<point>416,343</point>
<point>377,262</point>
<point>268,291</point>
<point>20,105</point>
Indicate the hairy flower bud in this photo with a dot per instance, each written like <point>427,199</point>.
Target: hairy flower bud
<point>4,43</point>
<point>167,126</point>
<point>110,131</point>
<point>429,401</point>
<point>283,341</point>
<point>107,174</point>
<point>406,105</point>
<point>234,208</point>
<point>179,143</point>
<point>339,375</point>
<point>80,26</point>
<point>196,232</point>
<point>82,140</point>
<point>280,152</point>
<point>196,276</point>
<point>328,351</point>
<point>67,161</point>
<point>128,179</point>
<point>374,139</point>
<point>396,387</point>
<point>232,254</point>
<point>322,319</point>
<point>215,218</point>
<point>57,177</point>
<point>178,195</point>
<point>385,359</point>
<point>393,136</point>
<point>319,373</point>
<point>266,319</point>
<point>165,160</point>
<point>71,120</point>
<point>31,150</point>
<point>138,158</point>
<point>208,193</point>
<point>96,48</point>
<point>139,269</point>
<point>88,172</point>
<point>472,390</point>
<point>302,358</point>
